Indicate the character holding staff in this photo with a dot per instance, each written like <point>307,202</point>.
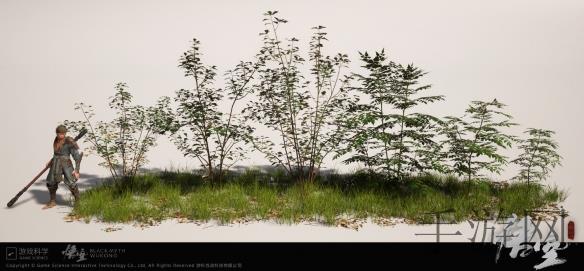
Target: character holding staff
<point>61,167</point>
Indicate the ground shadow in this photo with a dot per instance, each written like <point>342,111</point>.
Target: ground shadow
<point>39,193</point>
<point>85,181</point>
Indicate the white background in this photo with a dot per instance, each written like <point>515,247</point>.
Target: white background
<point>527,54</point>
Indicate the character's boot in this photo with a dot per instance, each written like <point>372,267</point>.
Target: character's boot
<point>75,192</point>
<point>52,201</point>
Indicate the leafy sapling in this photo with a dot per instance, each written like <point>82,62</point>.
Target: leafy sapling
<point>539,156</point>
<point>473,145</point>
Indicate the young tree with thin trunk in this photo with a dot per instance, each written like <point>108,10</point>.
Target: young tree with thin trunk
<point>473,145</point>
<point>201,130</point>
<point>539,156</point>
<point>305,114</point>
<point>123,142</point>
<point>387,132</point>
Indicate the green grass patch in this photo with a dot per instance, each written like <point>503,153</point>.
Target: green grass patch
<point>258,195</point>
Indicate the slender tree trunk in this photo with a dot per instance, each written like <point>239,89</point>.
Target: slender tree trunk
<point>401,142</point>
<point>98,147</point>
<point>122,139</point>
<point>474,142</point>
<point>299,161</point>
<point>204,128</point>
<point>385,140</point>
<point>314,136</point>
<point>530,164</point>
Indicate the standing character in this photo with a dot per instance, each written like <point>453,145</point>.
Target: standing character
<point>61,165</point>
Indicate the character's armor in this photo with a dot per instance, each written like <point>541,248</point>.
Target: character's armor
<point>61,165</point>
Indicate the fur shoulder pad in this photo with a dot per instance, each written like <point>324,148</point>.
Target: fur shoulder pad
<point>71,141</point>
